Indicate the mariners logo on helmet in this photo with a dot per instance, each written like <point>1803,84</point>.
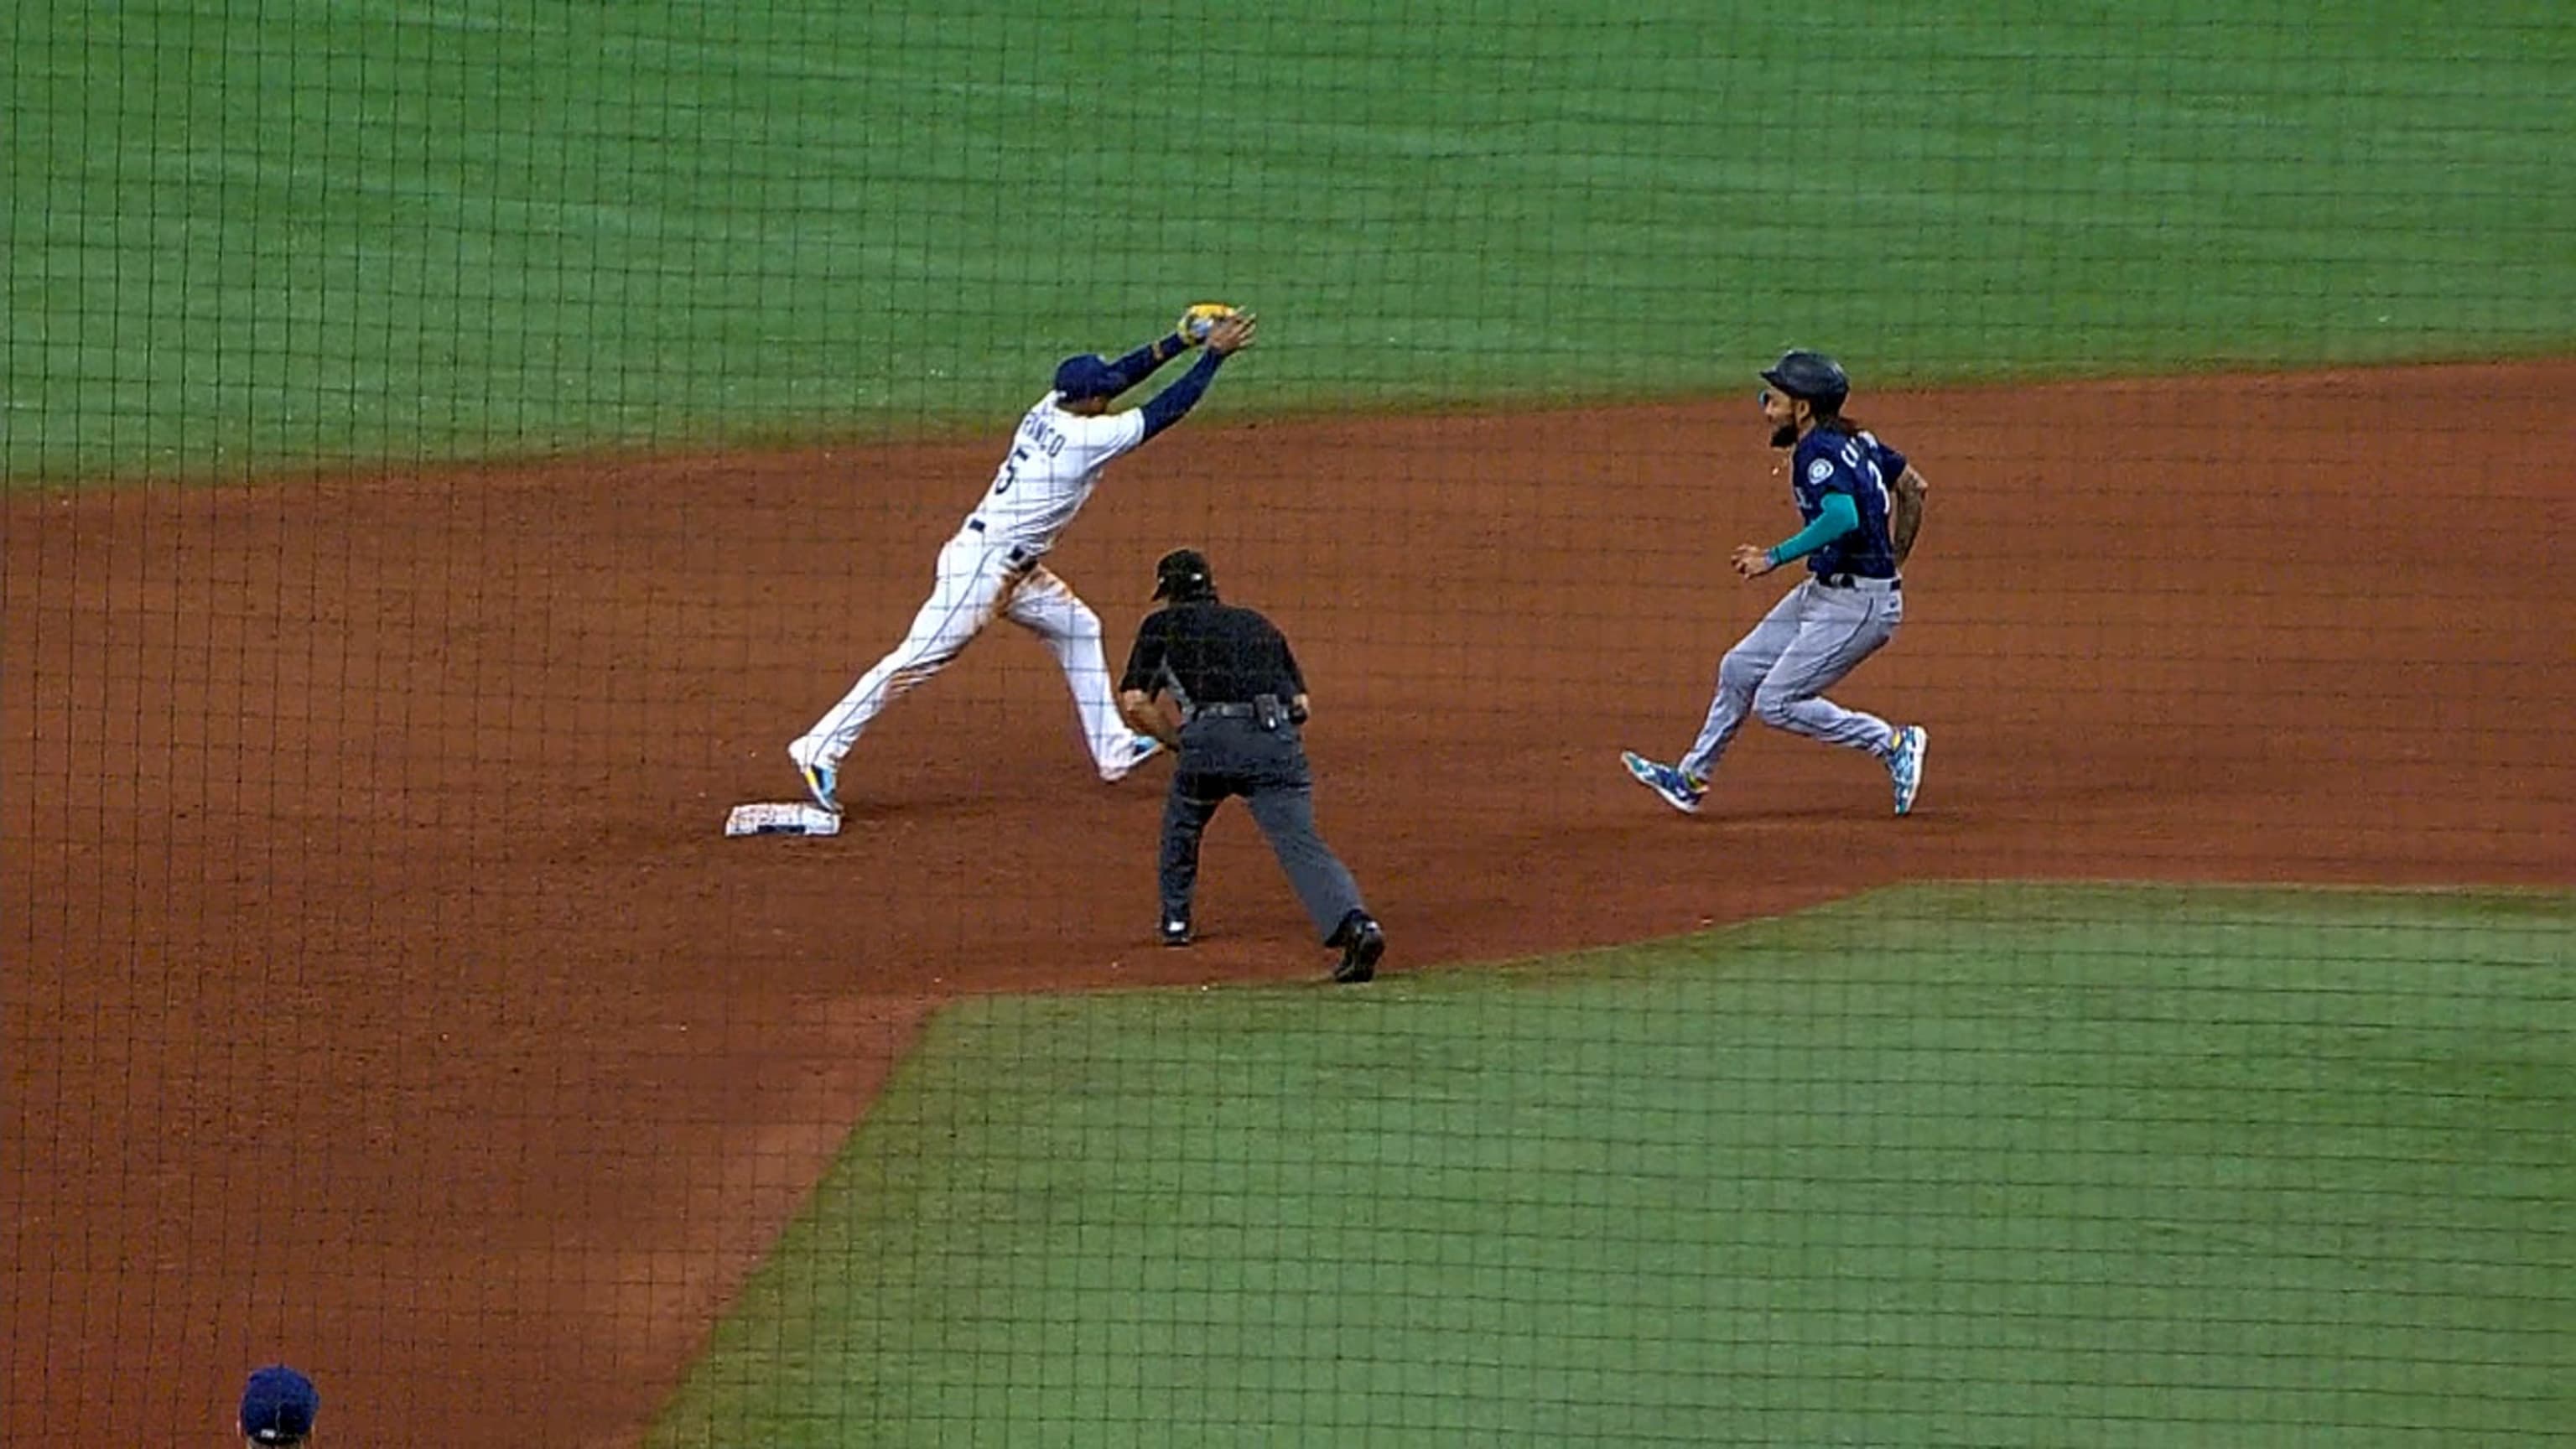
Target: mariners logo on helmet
<point>1810,375</point>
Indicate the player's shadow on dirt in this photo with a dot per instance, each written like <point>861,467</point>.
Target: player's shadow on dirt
<point>1719,819</point>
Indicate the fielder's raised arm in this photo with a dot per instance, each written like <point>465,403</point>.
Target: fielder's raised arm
<point>1085,385</point>
<point>1145,361</point>
<point>1230,335</point>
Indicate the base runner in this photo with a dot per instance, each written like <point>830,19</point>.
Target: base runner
<point>1862,504</point>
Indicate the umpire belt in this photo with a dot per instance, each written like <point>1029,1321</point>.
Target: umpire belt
<point>1862,582</point>
<point>1269,711</point>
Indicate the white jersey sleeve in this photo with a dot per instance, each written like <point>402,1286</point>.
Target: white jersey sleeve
<point>1104,437</point>
<point>1054,463</point>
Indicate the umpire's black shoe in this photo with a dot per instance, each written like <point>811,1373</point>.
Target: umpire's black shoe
<point>1362,944</point>
<point>1176,933</point>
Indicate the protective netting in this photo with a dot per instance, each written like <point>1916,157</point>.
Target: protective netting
<point>454,451</point>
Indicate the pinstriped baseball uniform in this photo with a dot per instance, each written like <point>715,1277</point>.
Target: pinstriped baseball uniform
<point>991,568</point>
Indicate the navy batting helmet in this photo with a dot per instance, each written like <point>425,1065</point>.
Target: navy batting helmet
<point>1810,375</point>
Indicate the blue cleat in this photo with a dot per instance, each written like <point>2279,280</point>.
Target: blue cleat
<point>823,783</point>
<point>1141,749</point>
<point>1680,791</point>
<point>1905,765</point>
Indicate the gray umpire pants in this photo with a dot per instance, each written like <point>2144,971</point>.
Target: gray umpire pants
<point>1222,756</point>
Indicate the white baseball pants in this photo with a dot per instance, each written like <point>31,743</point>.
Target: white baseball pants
<point>976,583</point>
<point>1811,639</point>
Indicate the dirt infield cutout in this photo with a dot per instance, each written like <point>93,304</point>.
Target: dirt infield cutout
<point>406,1002</point>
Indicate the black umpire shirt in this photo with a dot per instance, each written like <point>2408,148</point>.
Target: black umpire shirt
<point>1207,653</point>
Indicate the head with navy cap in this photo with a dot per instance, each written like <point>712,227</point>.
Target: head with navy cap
<point>1085,383</point>
<point>278,1407</point>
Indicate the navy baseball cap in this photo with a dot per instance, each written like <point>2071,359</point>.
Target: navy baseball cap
<point>278,1406</point>
<point>1085,376</point>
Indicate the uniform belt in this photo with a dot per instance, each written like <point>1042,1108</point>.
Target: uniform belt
<point>1281,711</point>
<point>1019,552</point>
<point>1861,581</point>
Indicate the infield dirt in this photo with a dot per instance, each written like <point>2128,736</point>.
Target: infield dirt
<point>386,990</point>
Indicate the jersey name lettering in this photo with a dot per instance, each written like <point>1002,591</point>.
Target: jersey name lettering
<point>1045,439</point>
<point>1054,463</point>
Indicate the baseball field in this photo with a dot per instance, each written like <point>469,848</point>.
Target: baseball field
<point>451,448</point>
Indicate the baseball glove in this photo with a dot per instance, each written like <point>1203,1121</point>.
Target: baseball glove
<point>1198,318</point>
<point>1905,512</point>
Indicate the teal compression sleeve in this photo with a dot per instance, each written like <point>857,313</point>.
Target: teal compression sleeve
<point>1840,516</point>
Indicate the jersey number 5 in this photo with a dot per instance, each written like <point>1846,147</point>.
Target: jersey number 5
<point>1010,470</point>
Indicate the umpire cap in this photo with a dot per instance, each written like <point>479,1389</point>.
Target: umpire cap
<point>1810,375</point>
<point>1183,574</point>
<point>278,1406</point>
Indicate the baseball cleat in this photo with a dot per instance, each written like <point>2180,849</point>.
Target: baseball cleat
<point>823,783</point>
<point>1680,791</point>
<point>1177,932</point>
<point>1362,943</point>
<point>1905,765</point>
<point>1145,747</point>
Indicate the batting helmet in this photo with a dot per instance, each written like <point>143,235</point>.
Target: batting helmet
<point>1810,375</point>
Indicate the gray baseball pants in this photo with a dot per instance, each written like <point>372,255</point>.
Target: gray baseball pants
<point>1812,638</point>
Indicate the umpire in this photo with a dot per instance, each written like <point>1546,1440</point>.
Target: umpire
<point>1241,700</point>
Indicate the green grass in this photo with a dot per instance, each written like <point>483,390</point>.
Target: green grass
<point>240,237</point>
<point>1974,1165</point>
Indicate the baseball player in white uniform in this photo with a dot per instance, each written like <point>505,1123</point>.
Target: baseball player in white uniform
<point>991,569</point>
